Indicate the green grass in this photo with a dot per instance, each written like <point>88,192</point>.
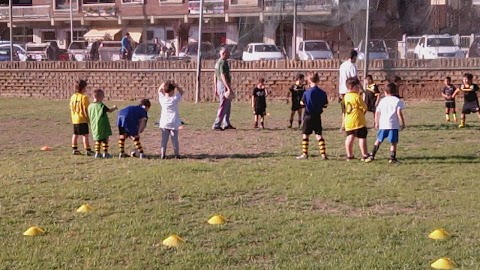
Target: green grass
<point>282,213</point>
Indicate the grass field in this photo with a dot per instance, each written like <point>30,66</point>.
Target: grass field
<point>282,213</point>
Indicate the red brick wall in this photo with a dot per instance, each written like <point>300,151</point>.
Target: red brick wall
<point>134,80</point>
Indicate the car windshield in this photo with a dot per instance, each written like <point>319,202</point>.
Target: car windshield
<point>111,44</point>
<point>147,49</point>
<point>4,52</point>
<point>266,48</point>
<point>440,42</point>
<point>376,46</point>
<point>78,46</point>
<point>193,48</point>
<point>316,46</point>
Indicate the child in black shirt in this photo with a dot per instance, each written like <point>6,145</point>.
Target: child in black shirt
<point>259,103</point>
<point>296,92</point>
<point>447,93</point>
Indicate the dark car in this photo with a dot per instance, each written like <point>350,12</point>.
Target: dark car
<point>191,51</point>
<point>474,50</point>
<point>236,51</point>
<point>5,55</point>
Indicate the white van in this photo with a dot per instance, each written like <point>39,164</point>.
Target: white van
<point>436,47</point>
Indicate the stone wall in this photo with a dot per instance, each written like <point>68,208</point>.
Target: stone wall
<point>422,79</point>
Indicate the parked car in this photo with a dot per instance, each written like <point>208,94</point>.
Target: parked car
<point>474,50</point>
<point>314,49</point>
<point>191,51</point>
<point>5,55</point>
<point>78,51</point>
<point>146,52</point>
<point>262,51</point>
<point>110,50</point>
<point>377,49</point>
<point>37,52</point>
<point>437,46</point>
<point>235,50</point>
<point>18,50</point>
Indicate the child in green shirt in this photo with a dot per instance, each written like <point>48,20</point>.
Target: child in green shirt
<point>99,123</point>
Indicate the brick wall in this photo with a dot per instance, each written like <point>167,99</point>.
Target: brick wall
<point>422,79</point>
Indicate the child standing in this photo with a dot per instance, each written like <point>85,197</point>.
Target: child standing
<point>355,122</point>
<point>170,117</point>
<point>372,94</point>
<point>447,93</point>
<point>296,92</point>
<point>470,98</point>
<point>315,100</point>
<point>79,113</point>
<point>259,103</point>
<point>388,120</point>
<point>99,123</point>
<point>131,121</point>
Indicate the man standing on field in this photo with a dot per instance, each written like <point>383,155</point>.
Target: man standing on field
<point>222,84</point>
<point>348,69</point>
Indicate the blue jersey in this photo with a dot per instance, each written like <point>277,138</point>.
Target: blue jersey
<point>314,99</point>
<point>129,118</point>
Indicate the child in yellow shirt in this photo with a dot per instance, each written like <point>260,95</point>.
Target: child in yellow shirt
<point>79,113</point>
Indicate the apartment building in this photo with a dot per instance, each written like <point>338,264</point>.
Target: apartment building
<point>225,21</point>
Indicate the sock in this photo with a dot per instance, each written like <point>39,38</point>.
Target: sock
<point>447,117</point>
<point>323,148</point>
<point>462,122</point>
<point>138,145</point>
<point>75,147</point>
<point>105,147</point>
<point>291,122</point>
<point>97,147</point>
<point>305,147</point>
<point>393,154</point>
<point>299,123</point>
<point>454,117</point>
<point>121,145</point>
<point>88,149</point>
<point>261,123</point>
<point>375,150</point>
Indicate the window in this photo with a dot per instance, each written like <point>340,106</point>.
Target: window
<point>65,5</point>
<point>266,48</point>
<point>132,1</point>
<point>77,36</point>
<point>150,35</point>
<point>87,2</point>
<point>170,35</point>
<point>440,42</point>
<point>22,34</point>
<point>300,48</point>
<point>49,36</point>
<point>171,1</point>
<point>244,2</point>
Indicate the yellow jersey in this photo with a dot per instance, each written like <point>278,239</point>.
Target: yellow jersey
<point>79,108</point>
<point>355,109</point>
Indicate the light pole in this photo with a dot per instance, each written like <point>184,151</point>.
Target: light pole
<point>367,37</point>
<point>10,8</point>
<point>199,53</point>
<point>71,22</point>
<point>294,49</point>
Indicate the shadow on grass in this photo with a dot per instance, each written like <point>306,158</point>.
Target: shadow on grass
<point>439,127</point>
<point>443,159</point>
<point>222,156</point>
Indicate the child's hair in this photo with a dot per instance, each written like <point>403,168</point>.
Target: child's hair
<point>391,89</point>
<point>313,77</point>
<point>469,76</point>
<point>146,103</point>
<point>394,79</point>
<point>169,87</point>
<point>369,77</point>
<point>82,84</point>
<point>353,54</point>
<point>352,82</point>
<point>449,80</point>
<point>98,93</point>
<point>261,80</point>
<point>300,77</point>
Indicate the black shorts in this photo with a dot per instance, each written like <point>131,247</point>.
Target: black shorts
<point>450,105</point>
<point>80,129</point>
<point>470,107</point>
<point>360,133</point>
<point>312,123</point>
<point>123,131</point>
<point>260,111</point>
<point>296,107</point>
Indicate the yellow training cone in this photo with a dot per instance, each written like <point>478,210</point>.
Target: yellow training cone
<point>84,208</point>
<point>217,220</point>
<point>439,234</point>
<point>33,231</point>
<point>173,241</point>
<point>444,264</point>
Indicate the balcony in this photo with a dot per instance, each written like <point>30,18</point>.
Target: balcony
<point>100,10</point>
<point>209,6</point>
<point>26,12</point>
<point>302,5</point>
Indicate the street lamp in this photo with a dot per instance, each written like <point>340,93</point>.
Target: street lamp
<point>199,53</point>
<point>71,21</point>
<point>367,37</point>
<point>10,8</point>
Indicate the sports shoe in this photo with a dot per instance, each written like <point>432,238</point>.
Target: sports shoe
<point>217,129</point>
<point>76,153</point>
<point>133,153</point>
<point>368,159</point>
<point>142,156</point>
<point>122,155</point>
<point>98,155</point>
<point>106,155</point>
<point>324,157</point>
<point>90,153</point>
<point>262,126</point>
<point>163,157</point>
<point>392,161</point>
<point>461,125</point>
<point>229,127</point>
<point>255,125</point>
<point>302,156</point>
<point>350,158</point>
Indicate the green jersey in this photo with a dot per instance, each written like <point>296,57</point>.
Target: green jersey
<point>99,122</point>
<point>222,67</point>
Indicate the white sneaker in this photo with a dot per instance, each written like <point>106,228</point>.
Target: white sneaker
<point>302,156</point>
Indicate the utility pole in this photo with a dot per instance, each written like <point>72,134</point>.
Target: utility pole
<point>10,8</point>
<point>71,21</point>
<point>294,49</point>
<point>199,53</point>
<point>367,37</point>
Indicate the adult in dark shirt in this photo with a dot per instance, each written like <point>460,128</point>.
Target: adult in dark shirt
<point>259,103</point>
<point>222,84</point>
<point>315,100</point>
<point>296,92</point>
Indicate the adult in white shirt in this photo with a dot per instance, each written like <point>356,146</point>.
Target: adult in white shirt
<point>170,117</point>
<point>348,69</point>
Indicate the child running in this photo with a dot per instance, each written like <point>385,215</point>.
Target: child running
<point>355,122</point>
<point>170,117</point>
<point>388,120</point>
<point>315,100</point>
<point>131,121</point>
<point>447,92</point>
<point>296,93</point>
<point>259,103</point>
<point>99,123</point>
<point>470,98</point>
<point>79,113</point>
<point>372,94</point>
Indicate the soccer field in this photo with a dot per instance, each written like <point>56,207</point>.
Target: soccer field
<point>282,213</point>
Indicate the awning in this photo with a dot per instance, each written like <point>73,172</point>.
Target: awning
<point>135,33</point>
<point>105,34</point>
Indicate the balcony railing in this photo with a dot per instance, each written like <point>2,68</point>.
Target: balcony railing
<point>302,5</point>
<point>26,12</point>
<point>209,6</point>
<point>100,10</point>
